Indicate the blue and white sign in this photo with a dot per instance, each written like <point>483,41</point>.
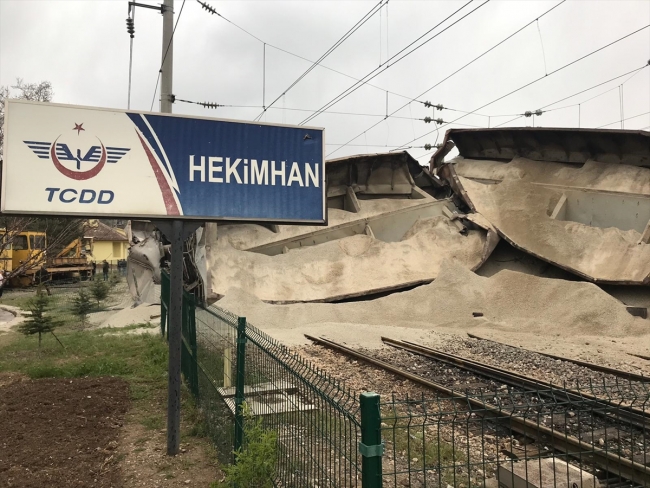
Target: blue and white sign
<point>69,160</point>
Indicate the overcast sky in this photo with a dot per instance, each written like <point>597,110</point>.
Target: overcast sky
<point>82,47</point>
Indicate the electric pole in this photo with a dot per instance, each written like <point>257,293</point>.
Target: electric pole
<point>175,230</point>
<point>166,77</point>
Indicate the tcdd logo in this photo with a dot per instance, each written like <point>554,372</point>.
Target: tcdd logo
<point>61,152</point>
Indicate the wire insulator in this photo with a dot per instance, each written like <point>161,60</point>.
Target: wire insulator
<point>439,121</point>
<point>427,147</point>
<point>427,120</point>
<point>209,8</point>
<point>428,104</point>
<point>130,27</point>
<point>439,107</point>
<point>538,112</point>
<point>210,105</point>
<point>528,113</point>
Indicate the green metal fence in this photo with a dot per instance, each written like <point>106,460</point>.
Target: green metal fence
<point>315,420</point>
<point>324,435</point>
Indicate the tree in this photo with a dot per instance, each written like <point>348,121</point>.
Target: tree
<point>60,232</point>
<point>99,290</point>
<point>39,92</point>
<point>38,321</point>
<point>82,306</point>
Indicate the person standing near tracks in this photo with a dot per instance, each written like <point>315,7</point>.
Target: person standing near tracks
<point>105,269</point>
<point>93,270</point>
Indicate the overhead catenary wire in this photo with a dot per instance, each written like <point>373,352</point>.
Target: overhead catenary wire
<point>213,11</point>
<point>341,40</point>
<point>393,60</point>
<point>539,79</point>
<point>460,69</point>
<point>539,31</point>
<point>213,105</point>
<point>171,39</point>
<point>623,120</point>
<point>634,72</point>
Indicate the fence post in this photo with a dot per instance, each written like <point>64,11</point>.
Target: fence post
<point>371,446</point>
<point>239,382</point>
<point>194,384</point>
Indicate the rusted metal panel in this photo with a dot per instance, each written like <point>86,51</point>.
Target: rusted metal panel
<point>562,145</point>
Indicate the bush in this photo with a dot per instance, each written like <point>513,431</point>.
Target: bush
<point>81,306</point>
<point>255,464</point>
<point>99,290</point>
<point>38,321</point>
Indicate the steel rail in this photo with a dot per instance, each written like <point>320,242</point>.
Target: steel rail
<point>585,364</point>
<point>560,441</point>
<point>625,414</point>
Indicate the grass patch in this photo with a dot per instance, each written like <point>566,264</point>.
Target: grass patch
<point>18,299</point>
<point>153,422</point>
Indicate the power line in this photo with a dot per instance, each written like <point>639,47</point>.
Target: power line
<point>341,40</point>
<point>171,39</point>
<point>541,111</point>
<point>623,120</point>
<point>213,11</point>
<point>461,69</point>
<point>635,71</point>
<point>538,79</point>
<point>215,105</point>
<point>212,105</point>
<point>507,122</point>
<point>377,71</point>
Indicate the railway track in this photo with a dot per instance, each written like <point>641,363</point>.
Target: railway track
<point>601,406</point>
<point>630,423</point>
<point>585,364</point>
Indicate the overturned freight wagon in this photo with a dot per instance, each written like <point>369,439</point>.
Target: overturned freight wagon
<point>576,198</point>
<point>390,226</point>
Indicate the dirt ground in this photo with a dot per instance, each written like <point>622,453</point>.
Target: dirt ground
<point>61,432</point>
<point>145,463</point>
<point>80,433</point>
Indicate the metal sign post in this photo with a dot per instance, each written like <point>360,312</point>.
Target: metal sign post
<point>176,231</point>
<point>175,324</point>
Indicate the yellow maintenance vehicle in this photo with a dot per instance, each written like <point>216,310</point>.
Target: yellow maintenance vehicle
<point>28,250</point>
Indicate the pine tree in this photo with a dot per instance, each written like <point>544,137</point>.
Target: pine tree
<point>99,290</point>
<point>38,321</point>
<point>81,306</point>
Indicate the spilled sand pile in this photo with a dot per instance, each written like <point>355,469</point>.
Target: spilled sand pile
<point>350,266</point>
<point>508,301</point>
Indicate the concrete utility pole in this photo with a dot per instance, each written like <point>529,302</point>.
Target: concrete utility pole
<point>176,238</point>
<point>166,78</point>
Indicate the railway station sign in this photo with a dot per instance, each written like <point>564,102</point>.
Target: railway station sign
<point>85,161</point>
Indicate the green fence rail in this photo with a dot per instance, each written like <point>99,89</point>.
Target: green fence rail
<point>251,390</point>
